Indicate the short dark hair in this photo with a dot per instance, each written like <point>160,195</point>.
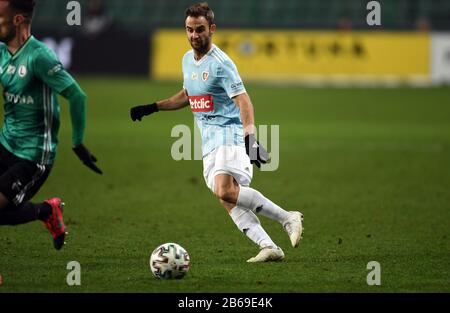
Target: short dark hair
<point>23,6</point>
<point>201,9</point>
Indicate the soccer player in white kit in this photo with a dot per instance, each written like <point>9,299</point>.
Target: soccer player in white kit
<point>224,114</point>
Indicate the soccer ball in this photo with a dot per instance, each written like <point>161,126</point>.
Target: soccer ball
<point>169,261</point>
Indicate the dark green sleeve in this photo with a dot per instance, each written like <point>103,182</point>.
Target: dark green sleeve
<point>48,69</point>
<point>77,100</point>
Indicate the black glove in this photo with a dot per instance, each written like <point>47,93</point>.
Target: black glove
<point>87,158</point>
<point>138,112</point>
<point>255,151</point>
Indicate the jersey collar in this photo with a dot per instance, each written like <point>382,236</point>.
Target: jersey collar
<point>15,55</point>
<point>197,63</point>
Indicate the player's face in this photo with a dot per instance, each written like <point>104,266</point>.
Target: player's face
<point>7,27</point>
<point>199,33</point>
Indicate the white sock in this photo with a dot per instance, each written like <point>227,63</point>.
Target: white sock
<point>253,200</point>
<point>249,224</point>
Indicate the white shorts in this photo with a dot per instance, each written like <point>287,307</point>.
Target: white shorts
<point>232,160</point>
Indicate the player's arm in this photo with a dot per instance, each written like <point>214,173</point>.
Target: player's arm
<point>177,101</point>
<point>48,69</point>
<point>255,151</point>
<point>77,101</point>
<point>247,115</point>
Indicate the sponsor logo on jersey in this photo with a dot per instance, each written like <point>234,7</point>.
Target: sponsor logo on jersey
<point>54,70</point>
<point>11,69</point>
<point>237,85</point>
<point>194,76</point>
<point>201,103</point>
<point>9,97</point>
<point>205,75</point>
<point>22,71</point>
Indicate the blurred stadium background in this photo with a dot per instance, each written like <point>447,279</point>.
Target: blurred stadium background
<point>363,154</point>
<point>140,16</point>
<point>269,40</point>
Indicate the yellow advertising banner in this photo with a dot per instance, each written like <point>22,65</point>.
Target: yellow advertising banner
<point>302,54</point>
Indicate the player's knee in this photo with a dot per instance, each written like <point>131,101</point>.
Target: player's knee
<point>226,193</point>
<point>221,192</point>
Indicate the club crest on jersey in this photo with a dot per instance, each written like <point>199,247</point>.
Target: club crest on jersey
<point>11,69</point>
<point>194,76</point>
<point>201,103</point>
<point>205,75</point>
<point>22,71</point>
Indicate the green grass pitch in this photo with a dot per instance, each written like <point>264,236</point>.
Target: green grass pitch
<point>369,168</point>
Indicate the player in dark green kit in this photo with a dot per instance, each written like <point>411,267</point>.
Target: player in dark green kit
<point>32,76</point>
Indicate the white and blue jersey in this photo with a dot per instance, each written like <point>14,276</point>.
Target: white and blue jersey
<point>211,83</point>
